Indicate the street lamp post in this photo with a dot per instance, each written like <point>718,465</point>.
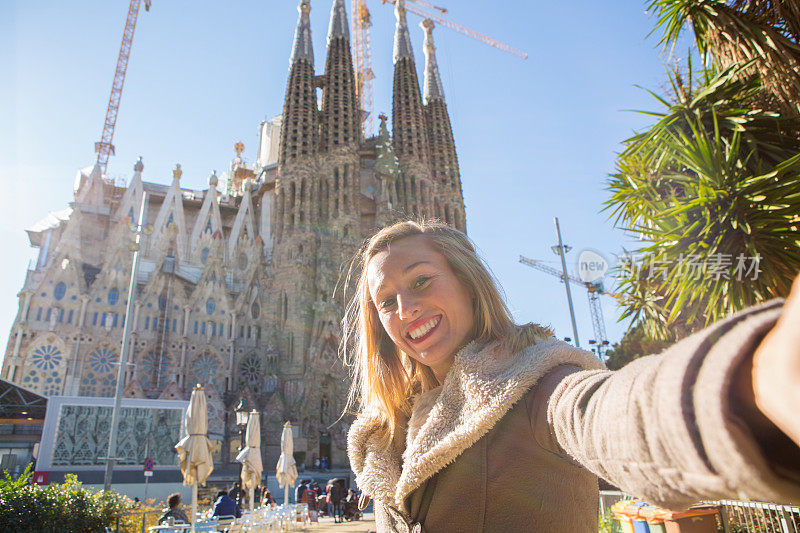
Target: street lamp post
<point>138,229</point>
<point>242,417</point>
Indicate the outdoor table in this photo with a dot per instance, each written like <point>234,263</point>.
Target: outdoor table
<point>166,527</point>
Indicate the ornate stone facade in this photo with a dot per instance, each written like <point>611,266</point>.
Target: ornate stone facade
<point>237,289</point>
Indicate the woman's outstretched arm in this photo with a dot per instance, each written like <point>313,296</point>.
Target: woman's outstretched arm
<point>712,417</point>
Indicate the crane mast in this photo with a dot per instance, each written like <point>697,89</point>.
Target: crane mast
<point>105,147</point>
<point>363,61</point>
<point>593,290</point>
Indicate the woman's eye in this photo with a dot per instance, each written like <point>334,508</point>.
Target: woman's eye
<point>421,281</point>
<point>388,303</point>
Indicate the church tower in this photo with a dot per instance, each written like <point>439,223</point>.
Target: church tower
<point>340,108</point>
<point>409,136</point>
<point>443,159</point>
<point>240,289</point>
<point>300,124</point>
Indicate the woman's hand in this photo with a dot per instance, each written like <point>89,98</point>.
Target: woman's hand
<point>776,369</point>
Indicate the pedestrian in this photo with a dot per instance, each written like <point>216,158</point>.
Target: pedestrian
<point>257,495</point>
<point>173,513</point>
<point>300,491</point>
<point>329,501</point>
<point>336,497</point>
<point>316,463</point>
<point>267,496</point>
<point>455,403</point>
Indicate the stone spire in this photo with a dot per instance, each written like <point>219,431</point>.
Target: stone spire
<point>303,49</point>
<point>402,41</point>
<point>300,123</point>
<point>433,82</point>
<point>443,159</point>
<point>408,128</point>
<point>340,107</point>
<point>338,26</point>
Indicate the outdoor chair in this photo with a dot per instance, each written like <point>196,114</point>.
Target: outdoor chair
<point>210,525</point>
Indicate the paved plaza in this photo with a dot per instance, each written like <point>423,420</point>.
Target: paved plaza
<point>326,525</point>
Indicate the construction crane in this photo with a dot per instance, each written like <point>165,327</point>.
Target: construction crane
<point>105,147</point>
<point>362,22</point>
<point>593,289</point>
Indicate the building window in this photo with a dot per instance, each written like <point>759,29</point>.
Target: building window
<point>213,329</point>
<point>60,291</point>
<point>203,328</point>
<point>103,319</point>
<point>241,331</point>
<point>113,296</point>
<point>210,306</point>
<point>61,316</point>
<point>195,327</point>
<point>147,322</point>
<point>204,255</point>
<point>69,317</point>
<point>39,314</point>
<point>94,319</point>
<point>155,323</point>
<point>115,320</point>
<point>174,324</point>
<point>47,317</point>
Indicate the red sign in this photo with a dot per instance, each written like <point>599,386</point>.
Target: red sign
<point>41,477</point>
<point>148,465</point>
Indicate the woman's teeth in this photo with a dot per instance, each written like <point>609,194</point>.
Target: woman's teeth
<point>424,328</point>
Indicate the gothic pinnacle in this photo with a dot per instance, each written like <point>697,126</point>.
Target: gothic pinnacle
<point>303,48</point>
<point>433,81</point>
<point>402,41</point>
<point>338,26</point>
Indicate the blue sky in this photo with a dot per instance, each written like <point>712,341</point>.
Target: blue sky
<point>536,139</point>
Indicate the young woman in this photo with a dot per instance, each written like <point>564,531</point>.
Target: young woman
<point>468,422</point>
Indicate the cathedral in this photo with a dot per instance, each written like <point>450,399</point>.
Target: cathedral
<point>237,284</point>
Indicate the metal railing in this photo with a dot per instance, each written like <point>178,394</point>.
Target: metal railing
<point>736,516</point>
<point>758,517</point>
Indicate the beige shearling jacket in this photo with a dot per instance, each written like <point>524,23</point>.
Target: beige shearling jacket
<point>515,442</point>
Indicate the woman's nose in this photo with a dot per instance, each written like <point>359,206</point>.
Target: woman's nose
<point>407,306</point>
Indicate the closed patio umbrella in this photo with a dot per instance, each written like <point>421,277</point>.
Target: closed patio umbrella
<point>194,450</point>
<point>286,471</point>
<point>250,457</point>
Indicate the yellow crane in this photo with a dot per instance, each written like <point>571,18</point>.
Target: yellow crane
<point>362,45</point>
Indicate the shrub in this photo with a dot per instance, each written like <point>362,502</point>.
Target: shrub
<point>65,507</point>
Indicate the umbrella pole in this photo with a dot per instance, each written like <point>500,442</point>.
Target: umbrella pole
<point>250,496</point>
<point>286,495</point>
<point>193,518</point>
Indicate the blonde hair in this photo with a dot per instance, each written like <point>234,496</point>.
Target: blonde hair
<point>385,378</point>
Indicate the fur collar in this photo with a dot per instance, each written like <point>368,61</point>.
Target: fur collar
<point>480,388</point>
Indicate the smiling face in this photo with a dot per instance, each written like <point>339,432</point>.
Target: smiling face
<point>423,307</point>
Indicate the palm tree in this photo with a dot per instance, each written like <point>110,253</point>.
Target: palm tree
<point>764,34</point>
<point>713,188</point>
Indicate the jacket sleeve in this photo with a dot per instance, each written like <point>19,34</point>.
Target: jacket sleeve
<point>667,428</point>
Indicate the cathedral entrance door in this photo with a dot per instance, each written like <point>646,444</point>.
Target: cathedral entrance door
<point>325,447</point>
